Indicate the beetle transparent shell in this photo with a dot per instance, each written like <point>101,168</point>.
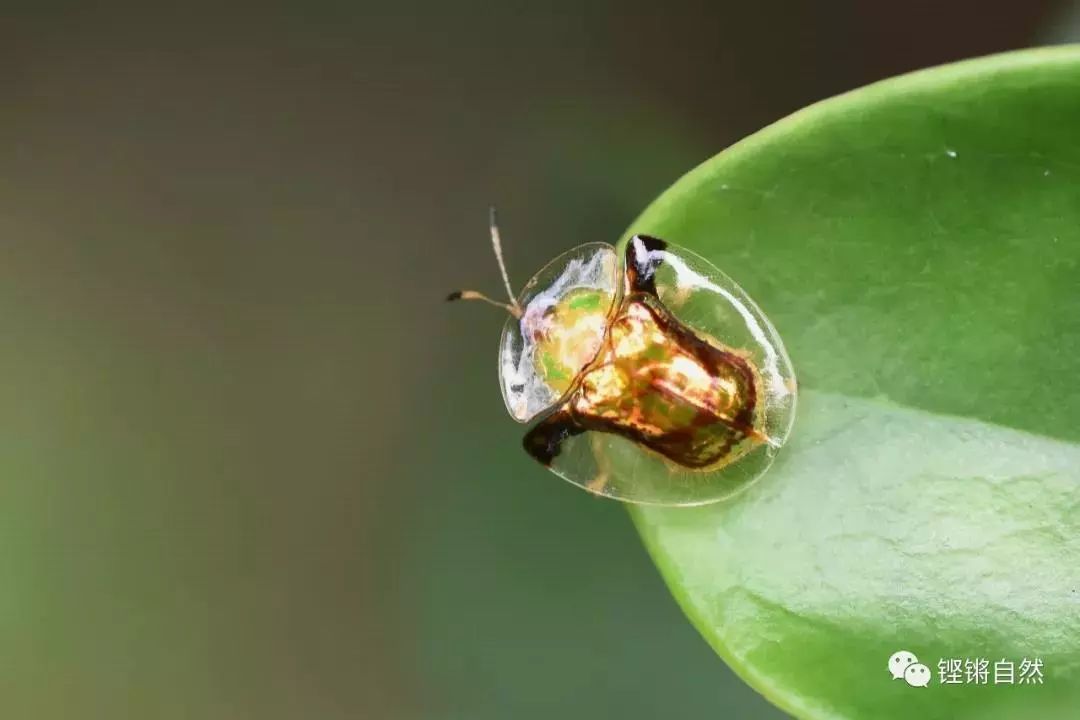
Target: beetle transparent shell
<point>653,377</point>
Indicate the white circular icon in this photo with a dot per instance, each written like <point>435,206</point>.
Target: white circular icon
<point>917,675</point>
<point>899,662</point>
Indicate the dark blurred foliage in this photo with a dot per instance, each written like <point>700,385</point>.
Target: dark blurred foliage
<point>251,465</point>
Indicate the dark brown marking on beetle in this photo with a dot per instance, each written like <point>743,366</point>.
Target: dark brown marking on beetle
<point>544,441</point>
<point>644,256</point>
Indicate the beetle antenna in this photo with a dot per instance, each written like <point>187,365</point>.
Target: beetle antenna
<point>514,309</point>
<point>496,244</point>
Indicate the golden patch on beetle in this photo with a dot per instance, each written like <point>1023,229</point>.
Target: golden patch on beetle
<point>657,383</point>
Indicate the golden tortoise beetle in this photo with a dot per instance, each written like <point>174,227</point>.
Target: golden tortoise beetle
<point>655,378</point>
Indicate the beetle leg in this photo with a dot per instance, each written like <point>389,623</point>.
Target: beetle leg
<point>603,464</point>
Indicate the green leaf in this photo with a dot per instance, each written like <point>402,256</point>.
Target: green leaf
<point>917,245</point>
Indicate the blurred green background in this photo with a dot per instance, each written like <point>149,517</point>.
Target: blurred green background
<point>252,467</point>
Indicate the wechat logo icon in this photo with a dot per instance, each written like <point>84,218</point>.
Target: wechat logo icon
<point>903,665</point>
